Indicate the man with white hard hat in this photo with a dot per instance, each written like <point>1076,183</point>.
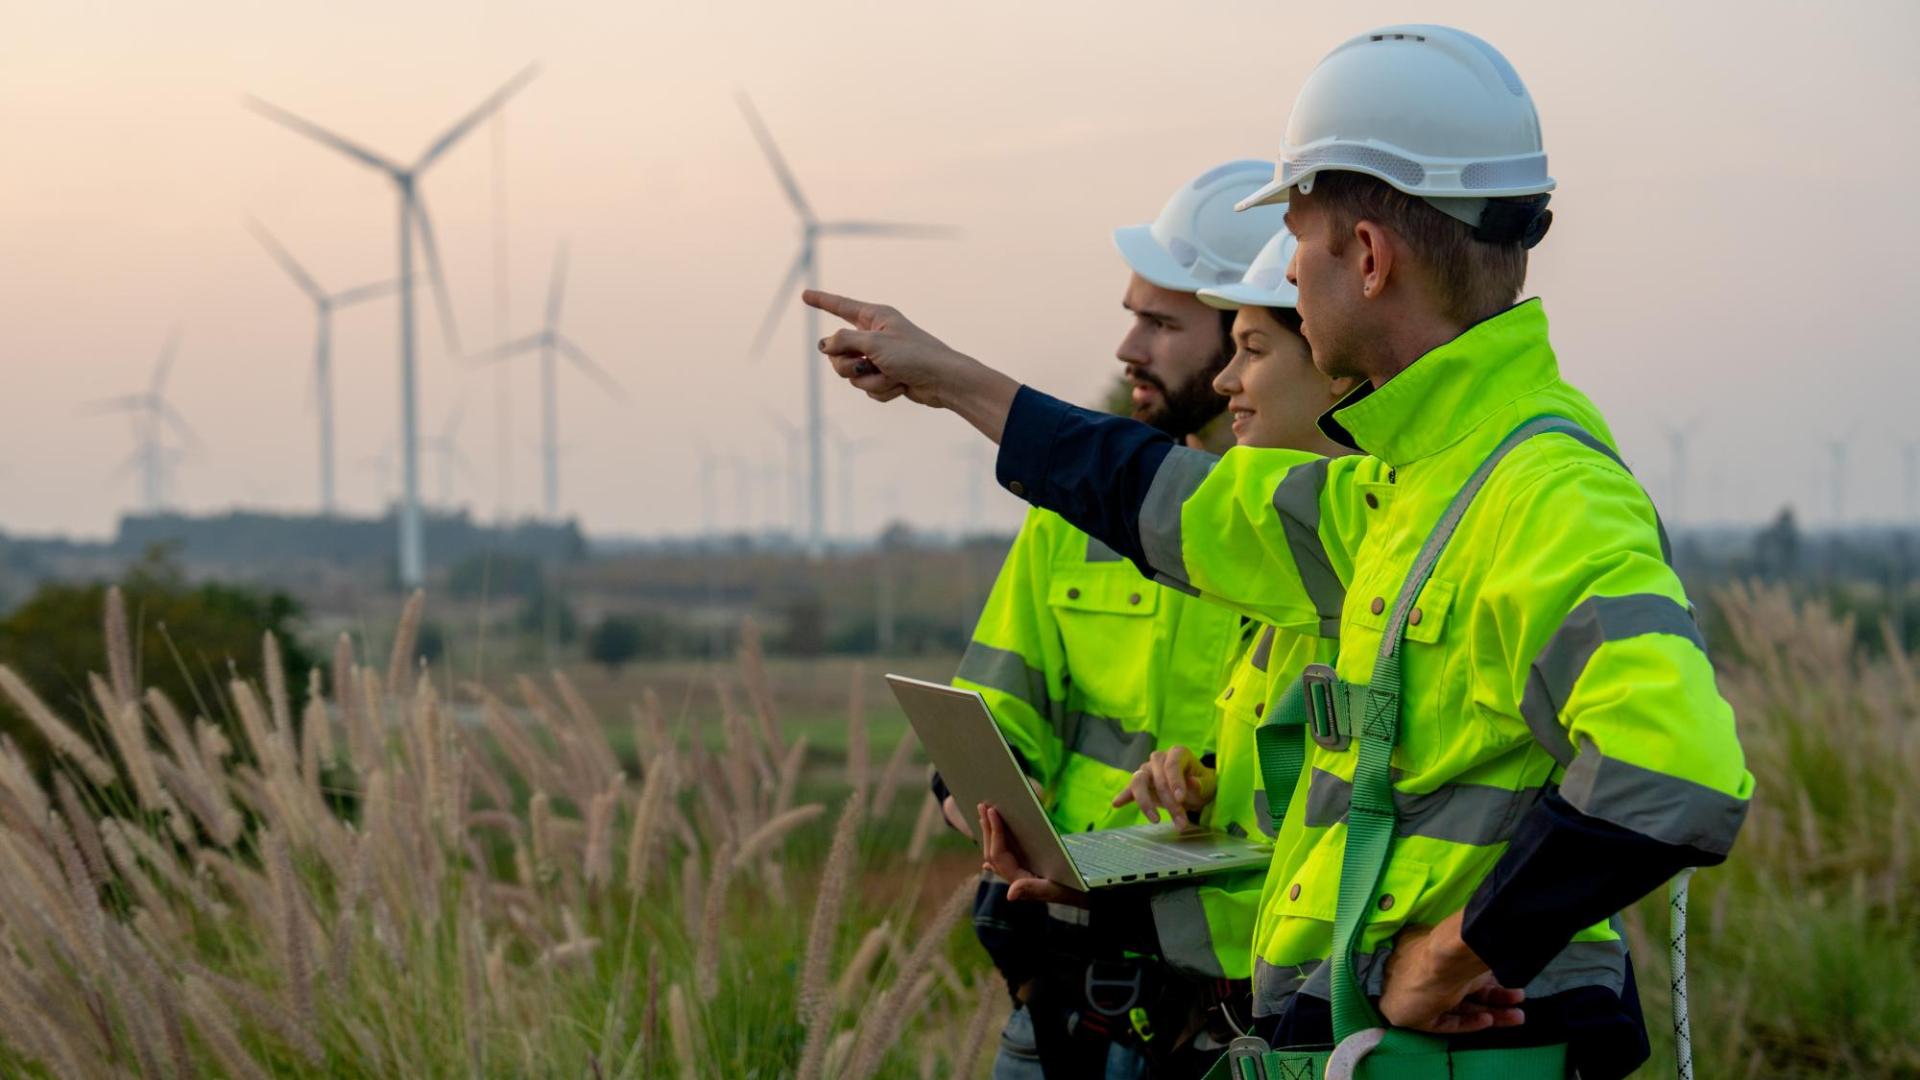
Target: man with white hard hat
<point>1521,735</point>
<point>1090,667</point>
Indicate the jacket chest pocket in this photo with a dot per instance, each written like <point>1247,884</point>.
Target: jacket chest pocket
<point>1431,708</point>
<point>1105,615</point>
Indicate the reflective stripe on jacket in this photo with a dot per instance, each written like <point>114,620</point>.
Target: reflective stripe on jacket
<point>1089,667</point>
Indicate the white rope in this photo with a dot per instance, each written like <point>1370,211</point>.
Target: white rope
<point>1677,963</point>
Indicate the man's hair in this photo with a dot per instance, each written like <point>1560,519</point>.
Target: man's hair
<point>1471,278</point>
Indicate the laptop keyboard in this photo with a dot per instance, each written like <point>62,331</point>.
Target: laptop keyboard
<point>1117,855</point>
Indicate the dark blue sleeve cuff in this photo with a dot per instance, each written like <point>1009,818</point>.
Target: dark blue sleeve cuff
<point>1090,468</point>
<point>1563,872</point>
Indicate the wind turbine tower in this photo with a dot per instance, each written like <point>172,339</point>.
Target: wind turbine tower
<point>412,217</point>
<point>1837,484</point>
<point>805,271</point>
<point>549,342</point>
<point>324,305</point>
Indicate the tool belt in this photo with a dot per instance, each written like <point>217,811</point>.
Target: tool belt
<point>1342,716</point>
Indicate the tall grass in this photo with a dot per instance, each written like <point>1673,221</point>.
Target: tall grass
<point>390,885</point>
<point>1805,958</point>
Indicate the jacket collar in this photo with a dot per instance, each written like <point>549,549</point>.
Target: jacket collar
<point>1443,396</point>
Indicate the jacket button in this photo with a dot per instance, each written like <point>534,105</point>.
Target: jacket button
<point>1386,902</point>
<point>1415,617</point>
<point>1373,501</point>
<point>1259,708</point>
<point>1073,594</point>
<point>1294,893</point>
<point>1229,695</point>
<point>1017,488</point>
<point>1379,605</point>
<point>1134,599</point>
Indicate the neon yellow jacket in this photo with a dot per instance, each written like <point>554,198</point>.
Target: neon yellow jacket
<point>1089,667</point>
<point>1206,930</point>
<point>1553,648</point>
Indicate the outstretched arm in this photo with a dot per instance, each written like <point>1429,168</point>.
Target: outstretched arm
<point>887,356</point>
<point>1268,533</point>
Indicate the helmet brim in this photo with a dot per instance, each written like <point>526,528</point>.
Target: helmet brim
<point>1240,294</point>
<point>1146,257</point>
<point>1275,191</point>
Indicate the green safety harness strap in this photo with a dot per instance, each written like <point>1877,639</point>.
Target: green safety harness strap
<point>1327,708</point>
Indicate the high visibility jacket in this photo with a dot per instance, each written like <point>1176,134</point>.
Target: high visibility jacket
<point>1551,650</point>
<point>1206,929</point>
<point>1089,667</point>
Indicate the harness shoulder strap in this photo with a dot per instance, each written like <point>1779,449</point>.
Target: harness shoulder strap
<point>1371,816</point>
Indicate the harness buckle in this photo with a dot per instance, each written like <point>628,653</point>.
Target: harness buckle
<point>1247,1058</point>
<point>1322,688</point>
<point>1095,983</point>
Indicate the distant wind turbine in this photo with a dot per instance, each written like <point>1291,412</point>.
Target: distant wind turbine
<point>324,305</point>
<point>152,417</point>
<point>1837,449</point>
<point>806,270</point>
<point>445,448</point>
<point>850,449</point>
<point>549,340</point>
<point>413,215</point>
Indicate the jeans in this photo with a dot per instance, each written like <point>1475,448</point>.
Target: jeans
<point>1019,1057</point>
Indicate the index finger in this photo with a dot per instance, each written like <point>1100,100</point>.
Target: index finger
<point>844,307</point>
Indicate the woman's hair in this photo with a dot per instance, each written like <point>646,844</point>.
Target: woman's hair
<point>1286,317</point>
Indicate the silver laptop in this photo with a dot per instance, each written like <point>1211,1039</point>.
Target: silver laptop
<point>978,766</point>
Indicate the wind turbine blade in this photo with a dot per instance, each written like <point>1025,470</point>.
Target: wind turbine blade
<point>557,288</point>
<point>587,364</point>
<point>164,366</point>
<point>779,305</point>
<point>286,260</point>
<point>480,112</point>
<point>125,468</point>
<point>319,134</point>
<point>451,429</point>
<point>774,158</point>
<point>511,348</point>
<point>886,228</point>
<point>120,403</point>
<point>361,293</point>
<point>780,421</point>
<point>442,300</point>
<point>179,424</point>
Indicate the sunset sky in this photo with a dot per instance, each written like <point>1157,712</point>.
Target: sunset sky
<point>1734,243</point>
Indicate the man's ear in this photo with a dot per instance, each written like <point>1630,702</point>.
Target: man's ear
<point>1375,249</point>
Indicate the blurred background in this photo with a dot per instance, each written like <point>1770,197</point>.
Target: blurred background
<point>1727,276</point>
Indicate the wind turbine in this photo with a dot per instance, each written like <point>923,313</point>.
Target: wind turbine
<point>445,447</point>
<point>849,449</point>
<point>1837,449</point>
<point>413,215</point>
<point>795,485</point>
<point>324,305</point>
<point>806,269</point>
<point>549,340</point>
<point>1679,441</point>
<point>152,415</point>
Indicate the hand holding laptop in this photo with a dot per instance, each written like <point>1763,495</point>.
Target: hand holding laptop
<point>1001,855</point>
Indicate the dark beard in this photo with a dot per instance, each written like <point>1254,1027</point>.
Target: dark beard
<point>1187,408</point>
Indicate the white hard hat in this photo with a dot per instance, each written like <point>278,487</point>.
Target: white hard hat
<point>1265,283</point>
<point>1198,240</point>
<point>1431,110</point>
